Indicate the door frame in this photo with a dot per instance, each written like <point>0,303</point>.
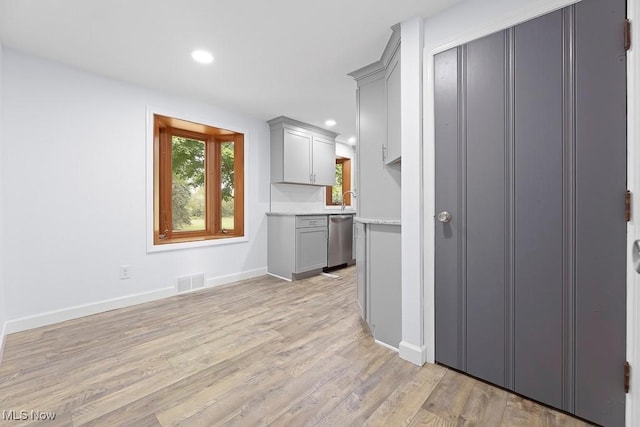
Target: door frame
<point>466,35</point>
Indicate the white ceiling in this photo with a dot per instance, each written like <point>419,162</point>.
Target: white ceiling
<point>272,58</point>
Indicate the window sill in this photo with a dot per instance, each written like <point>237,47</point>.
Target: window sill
<point>191,242</point>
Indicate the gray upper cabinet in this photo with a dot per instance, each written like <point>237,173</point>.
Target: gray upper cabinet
<point>378,128</point>
<point>301,153</point>
<point>296,155</point>
<point>392,86</point>
<point>324,160</point>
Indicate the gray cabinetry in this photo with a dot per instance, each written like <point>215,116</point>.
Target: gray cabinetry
<point>311,243</point>
<point>296,155</point>
<point>378,118</point>
<point>378,238</point>
<point>392,87</point>
<point>324,160</point>
<point>297,245</point>
<point>383,279</point>
<point>361,283</point>
<point>301,153</point>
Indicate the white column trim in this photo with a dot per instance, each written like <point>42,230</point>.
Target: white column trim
<point>412,34</point>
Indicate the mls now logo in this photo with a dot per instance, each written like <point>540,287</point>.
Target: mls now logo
<point>25,415</point>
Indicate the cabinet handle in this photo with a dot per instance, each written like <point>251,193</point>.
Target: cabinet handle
<point>384,153</point>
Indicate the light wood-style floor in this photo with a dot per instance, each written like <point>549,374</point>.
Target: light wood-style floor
<point>260,352</point>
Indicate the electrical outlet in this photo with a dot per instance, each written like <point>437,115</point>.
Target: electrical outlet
<point>125,272</point>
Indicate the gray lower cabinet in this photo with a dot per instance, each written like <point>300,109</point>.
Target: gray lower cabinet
<point>297,244</point>
<point>311,248</point>
<point>378,280</point>
<point>361,268</point>
<point>384,273</point>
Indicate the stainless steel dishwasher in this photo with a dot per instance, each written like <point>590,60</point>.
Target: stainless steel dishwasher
<point>339,247</point>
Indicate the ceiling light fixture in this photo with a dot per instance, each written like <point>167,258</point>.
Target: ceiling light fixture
<point>202,56</point>
<point>330,122</point>
<point>352,140</point>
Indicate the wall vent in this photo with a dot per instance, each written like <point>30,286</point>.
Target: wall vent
<point>197,281</point>
<point>189,283</point>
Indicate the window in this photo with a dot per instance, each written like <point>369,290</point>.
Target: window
<point>343,184</point>
<point>198,181</point>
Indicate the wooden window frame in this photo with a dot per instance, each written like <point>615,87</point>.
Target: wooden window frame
<point>164,129</point>
<point>346,184</point>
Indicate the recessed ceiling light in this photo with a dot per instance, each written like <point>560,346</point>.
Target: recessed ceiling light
<point>202,56</point>
<point>330,122</point>
<point>352,140</point>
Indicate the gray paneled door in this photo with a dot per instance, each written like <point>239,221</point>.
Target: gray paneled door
<point>531,166</point>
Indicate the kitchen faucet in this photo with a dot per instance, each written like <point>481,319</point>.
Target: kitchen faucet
<point>344,194</point>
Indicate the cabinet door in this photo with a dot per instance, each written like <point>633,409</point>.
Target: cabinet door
<point>297,155</point>
<point>361,283</point>
<point>324,161</point>
<point>392,154</point>
<point>385,272</point>
<point>378,184</point>
<point>311,248</point>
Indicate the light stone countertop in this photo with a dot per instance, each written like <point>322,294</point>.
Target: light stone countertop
<point>378,221</point>
<point>322,212</point>
<point>359,219</point>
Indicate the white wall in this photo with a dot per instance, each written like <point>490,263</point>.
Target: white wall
<point>74,192</point>
<point>297,198</point>
<point>344,150</point>
<point>470,18</point>
<point>3,304</point>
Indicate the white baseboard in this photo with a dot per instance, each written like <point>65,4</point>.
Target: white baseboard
<point>3,334</point>
<point>279,277</point>
<point>56,316</point>
<point>230,278</point>
<point>411,353</point>
<point>390,347</point>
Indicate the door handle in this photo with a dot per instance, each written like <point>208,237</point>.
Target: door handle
<point>635,254</point>
<point>444,217</point>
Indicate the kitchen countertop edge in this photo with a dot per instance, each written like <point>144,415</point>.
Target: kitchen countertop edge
<point>330,212</point>
<point>378,221</point>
